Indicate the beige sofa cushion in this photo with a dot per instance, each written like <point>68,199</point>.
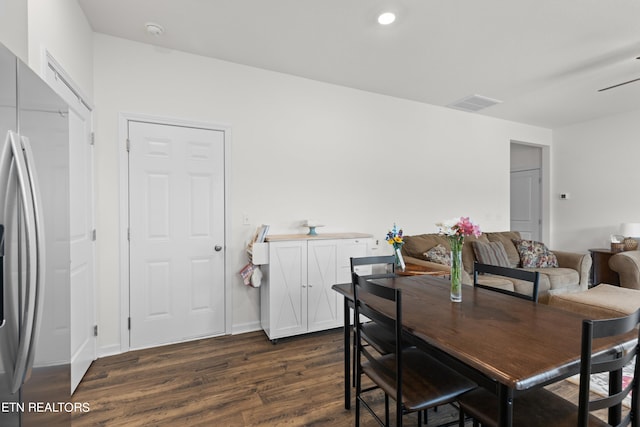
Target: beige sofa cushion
<point>556,277</point>
<point>602,301</point>
<point>496,282</point>
<point>505,237</point>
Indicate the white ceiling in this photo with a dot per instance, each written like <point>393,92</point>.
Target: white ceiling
<point>545,59</point>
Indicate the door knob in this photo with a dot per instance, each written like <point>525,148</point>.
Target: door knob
<point>218,248</point>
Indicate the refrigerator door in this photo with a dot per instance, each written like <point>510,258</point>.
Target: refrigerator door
<point>9,329</point>
<point>43,123</point>
<point>34,214</point>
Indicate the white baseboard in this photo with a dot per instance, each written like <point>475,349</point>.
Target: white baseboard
<point>246,327</point>
<point>113,349</point>
<point>110,350</point>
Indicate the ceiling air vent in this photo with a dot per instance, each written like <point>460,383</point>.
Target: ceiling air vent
<point>473,103</point>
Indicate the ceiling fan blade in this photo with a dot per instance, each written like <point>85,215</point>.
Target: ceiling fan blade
<point>619,84</point>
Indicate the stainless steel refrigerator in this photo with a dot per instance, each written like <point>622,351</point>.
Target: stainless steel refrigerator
<point>34,249</point>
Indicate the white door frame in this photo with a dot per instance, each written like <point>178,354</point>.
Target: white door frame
<point>545,187</point>
<point>123,120</point>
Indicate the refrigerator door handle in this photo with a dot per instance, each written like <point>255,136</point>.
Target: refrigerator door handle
<point>5,172</point>
<point>28,317</point>
<point>1,274</point>
<point>39,252</point>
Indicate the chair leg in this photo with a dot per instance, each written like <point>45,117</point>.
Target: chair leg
<point>386,409</point>
<point>353,351</point>
<point>420,418</point>
<point>460,418</point>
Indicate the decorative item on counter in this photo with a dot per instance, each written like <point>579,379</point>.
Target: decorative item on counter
<point>312,224</point>
<point>631,231</point>
<point>456,230</point>
<point>617,243</point>
<point>394,237</point>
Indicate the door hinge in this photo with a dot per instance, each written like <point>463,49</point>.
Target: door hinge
<point>128,144</point>
<point>129,323</point>
<point>95,330</point>
<point>128,234</point>
<point>92,138</point>
<point>93,235</point>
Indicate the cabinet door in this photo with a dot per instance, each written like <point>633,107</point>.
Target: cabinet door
<point>288,292</point>
<point>324,312</point>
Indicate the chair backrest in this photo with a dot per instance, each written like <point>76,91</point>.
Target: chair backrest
<point>523,275</point>
<point>391,320</point>
<point>612,362</point>
<point>389,261</point>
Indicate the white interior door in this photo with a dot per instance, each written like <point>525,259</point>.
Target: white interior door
<point>176,226</point>
<point>81,183</point>
<point>526,214</point>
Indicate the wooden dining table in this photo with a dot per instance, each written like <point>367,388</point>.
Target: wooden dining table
<point>505,344</point>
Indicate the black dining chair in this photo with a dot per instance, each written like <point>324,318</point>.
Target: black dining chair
<point>385,262</point>
<point>521,275</point>
<point>384,265</point>
<point>415,380</point>
<point>541,407</point>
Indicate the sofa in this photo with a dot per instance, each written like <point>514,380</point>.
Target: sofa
<point>627,265</point>
<point>571,275</point>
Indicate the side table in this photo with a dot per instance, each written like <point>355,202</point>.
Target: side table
<point>418,270</point>
<point>600,271</point>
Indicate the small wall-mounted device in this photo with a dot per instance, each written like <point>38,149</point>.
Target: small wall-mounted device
<point>565,196</point>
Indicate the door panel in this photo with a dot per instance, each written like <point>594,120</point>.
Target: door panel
<point>322,300</point>
<point>81,185</point>
<point>288,290</point>
<point>176,192</point>
<point>525,203</point>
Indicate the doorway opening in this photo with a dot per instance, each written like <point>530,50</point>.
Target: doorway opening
<point>529,187</point>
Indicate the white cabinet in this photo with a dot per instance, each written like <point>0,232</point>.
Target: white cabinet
<point>296,295</point>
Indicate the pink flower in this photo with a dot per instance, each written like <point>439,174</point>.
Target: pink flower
<point>467,228</point>
<point>459,227</point>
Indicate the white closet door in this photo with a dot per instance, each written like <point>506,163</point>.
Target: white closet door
<point>176,217</point>
<point>82,244</point>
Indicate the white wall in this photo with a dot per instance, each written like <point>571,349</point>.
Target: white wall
<point>61,27</point>
<point>13,27</point>
<point>596,163</point>
<point>301,149</point>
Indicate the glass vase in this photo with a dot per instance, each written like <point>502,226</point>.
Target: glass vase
<point>456,270</point>
<point>399,259</point>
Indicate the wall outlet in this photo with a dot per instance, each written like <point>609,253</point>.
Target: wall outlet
<point>245,219</point>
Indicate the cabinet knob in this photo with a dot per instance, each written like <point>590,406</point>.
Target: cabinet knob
<point>217,248</point>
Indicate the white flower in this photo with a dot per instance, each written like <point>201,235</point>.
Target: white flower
<point>446,227</point>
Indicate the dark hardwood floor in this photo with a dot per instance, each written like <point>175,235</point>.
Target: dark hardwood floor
<point>240,380</point>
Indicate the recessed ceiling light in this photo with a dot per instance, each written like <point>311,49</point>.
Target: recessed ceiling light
<point>386,18</point>
<point>154,29</point>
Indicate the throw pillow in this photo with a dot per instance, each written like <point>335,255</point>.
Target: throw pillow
<point>438,254</point>
<point>492,253</point>
<point>535,254</point>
